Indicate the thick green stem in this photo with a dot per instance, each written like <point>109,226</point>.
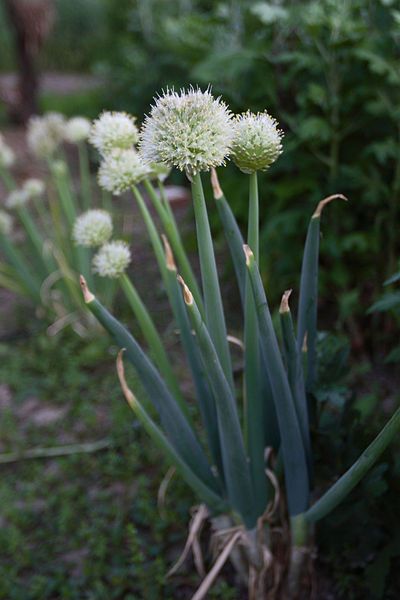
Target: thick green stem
<point>169,224</point>
<point>349,480</point>
<point>254,419</point>
<point>84,168</point>
<point>215,318</point>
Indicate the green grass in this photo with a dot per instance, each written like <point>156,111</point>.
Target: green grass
<point>87,525</point>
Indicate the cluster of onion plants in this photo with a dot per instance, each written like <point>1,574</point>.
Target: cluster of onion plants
<point>251,463</point>
<point>40,264</point>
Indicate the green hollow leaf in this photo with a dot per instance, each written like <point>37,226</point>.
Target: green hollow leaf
<point>295,376</point>
<point>307,312</point>
<point>204,393</point>
<point>236,470</point>
<point>173,421</point>
<point>214,311</point>
<point>294,458</point>
<point>205,494</point>
<point>338,492</point>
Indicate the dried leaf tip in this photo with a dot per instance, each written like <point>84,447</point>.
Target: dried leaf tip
<point>169,257</point>
<point>284,307</point>
<point>187,294</point>
<point>248,253</point>
<point>130,398</point>
<point>217,191</point>
<point>326,201</point>
<point>87,294</point>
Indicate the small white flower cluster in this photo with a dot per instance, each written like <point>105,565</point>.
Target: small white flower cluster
<point>112,259</point>
<point>7,156</point>
<point>257,142</point>
<point>31,188</point>
<point>45,134</point>
<point>192,131</point>
<point>5,223</point>
<point>77,130</point>
<point>92,228</point>
<point>113,130</point>
<point>121,169</point>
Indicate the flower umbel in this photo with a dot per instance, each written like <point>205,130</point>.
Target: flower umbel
<point>191,130</point>
<point>17,198</point>
<point>113,130</point>
<point>92,228</point>
<point>121,169</point>
<point>45,134</point>
<point>77,129</point>
<point>257,142</point>
<point>5,223</point>
<point>112,259</point>
<point>34,187</point>
<point>7,156</point>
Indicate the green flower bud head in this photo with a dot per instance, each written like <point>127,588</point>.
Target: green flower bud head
<point>191,130</point>
<point>121,169</point>
<point>113,130</point>
<point>112,259</point>
<point>5,223</point>
<point>92,228</point>
<point>257,142</point>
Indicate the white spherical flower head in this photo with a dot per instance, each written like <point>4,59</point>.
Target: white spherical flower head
<point>113,130</point>
<point>121,169</point>
<point>257,142</point>
<point>191,131</point>
<point>34,187</point>
<point>45,134</point>
<point>112,259</point>
<point>5,223</point>
<point>92,228</point>
<point>77,129</point>
<point>17,199</point>
<point>7,156</point>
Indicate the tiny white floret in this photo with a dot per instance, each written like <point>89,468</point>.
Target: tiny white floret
<point>112,259</point>
<point>45,134</point>
<point>34,187</point>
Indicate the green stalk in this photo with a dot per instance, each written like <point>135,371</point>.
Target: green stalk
<point>205,494</point>
<point>84,168</point>
<point>253,414</point>
<point>173,421</point>
<point>171,230</point>
<point>204,394</point>
<point>8,179</point>
<point>338,492</point>
<point>236,470</point>
<point>47,264</point>
<point>152,338</point>
<point>215,318</point>
<point>295,375</point>
<point>295,465</point>
<point>29,282</point>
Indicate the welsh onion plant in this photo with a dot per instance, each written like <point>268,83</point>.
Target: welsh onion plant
<point>229,467</point>
<point>41,267</point>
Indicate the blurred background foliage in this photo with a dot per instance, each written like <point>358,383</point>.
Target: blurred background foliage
<point>328,70</point>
